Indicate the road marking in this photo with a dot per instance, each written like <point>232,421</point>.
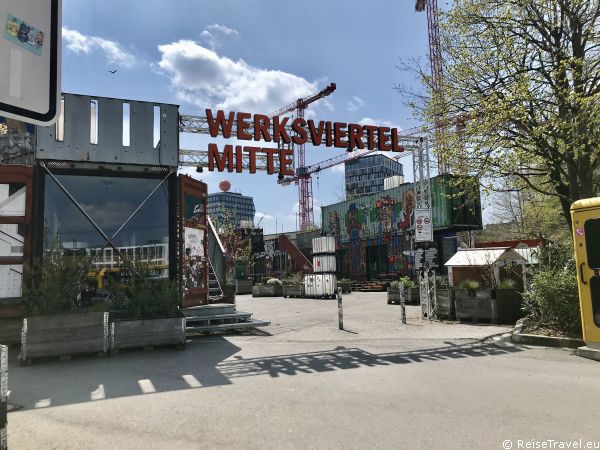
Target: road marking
<point>98,394</point>
<point>146,386</point>
<point>44,403</point>
<point>191,380</point>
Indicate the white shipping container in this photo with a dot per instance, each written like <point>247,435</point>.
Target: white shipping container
<point>323,245</point>
<point>392,182</point>
<point>324,263</point>
<point>320,285</point>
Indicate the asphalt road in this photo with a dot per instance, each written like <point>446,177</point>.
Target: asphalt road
<point>306,384</point>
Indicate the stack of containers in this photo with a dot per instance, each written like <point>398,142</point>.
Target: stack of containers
<point>323,282</point>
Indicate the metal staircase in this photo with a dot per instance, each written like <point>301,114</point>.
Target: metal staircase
<point>215,292</point>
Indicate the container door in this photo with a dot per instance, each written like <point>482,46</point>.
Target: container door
<point>193,241</point>
<point>586,224</point>
<point>15,235</point>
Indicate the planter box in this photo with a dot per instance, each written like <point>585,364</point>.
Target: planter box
<point>293,290</point>
<point>445,303</point>
<point>508,305</point>
<point>64,335</point>
<point>228,295</point>
<point>346,287</point>
<point>243,287</point>
<point>474,304</point>
<point>147,332</point>
<point>267,290</point>
<point>412,295</point>
<point>393,295</point>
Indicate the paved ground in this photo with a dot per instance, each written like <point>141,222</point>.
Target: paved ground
<point>380,384</point>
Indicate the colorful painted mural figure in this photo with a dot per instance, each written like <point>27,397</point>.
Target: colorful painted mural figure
<point>408,205</point>
<point>385,213</point>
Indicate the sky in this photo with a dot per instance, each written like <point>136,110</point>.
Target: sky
<point>252,56</point>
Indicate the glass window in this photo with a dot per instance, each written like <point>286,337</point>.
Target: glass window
<point>110,202</point>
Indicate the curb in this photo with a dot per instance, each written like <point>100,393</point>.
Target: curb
<point>589,353</point>
<point>544,341</point>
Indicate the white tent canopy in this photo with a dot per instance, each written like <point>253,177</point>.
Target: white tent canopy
<point>479,257</point>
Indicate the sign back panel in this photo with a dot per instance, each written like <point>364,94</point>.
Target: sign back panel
<point>30,39</point>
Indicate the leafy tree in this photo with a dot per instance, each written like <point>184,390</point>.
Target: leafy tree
<point>521,95</point>
<point>238,246</point>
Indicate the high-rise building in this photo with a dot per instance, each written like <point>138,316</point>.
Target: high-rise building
<point>365,175</point>
<point>238,208</point>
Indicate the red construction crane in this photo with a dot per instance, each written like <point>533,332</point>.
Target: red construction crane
<point>436,63</point>
<point>305,196</point>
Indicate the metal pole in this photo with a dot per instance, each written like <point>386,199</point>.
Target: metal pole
<point>3,396</point>
<point>402,304</point>
<point>340,309</point>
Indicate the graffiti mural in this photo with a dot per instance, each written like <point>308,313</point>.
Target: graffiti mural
<point>353,229</point>
<point>334,225</point>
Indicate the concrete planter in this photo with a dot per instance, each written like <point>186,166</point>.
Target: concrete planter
<point>508,305</point>
<point>243,287</point>
<point>293,290</point>
<point>64,335</point>
<point>147,332</point>
<point>267,290</point>
<point>475,304</point>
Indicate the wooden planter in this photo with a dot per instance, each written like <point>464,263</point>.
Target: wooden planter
<point>412,295</point>
<point>393,295</point>
<point>508,305</point>
<point>346,287</point>
<point>64,335</point>
<point>293,290</point>
<point>147,332</point>
<point>445,303</point>
<point>228,294</point>
<point>243,287</point>
<point>267,290</point>
<point>474,305</point>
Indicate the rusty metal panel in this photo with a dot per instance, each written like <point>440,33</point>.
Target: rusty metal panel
<point>77,146</point>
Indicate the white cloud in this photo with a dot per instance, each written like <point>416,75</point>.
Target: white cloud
<point>213,32</point>
<point>202,77</point>
<point>379,122</point>
<point>222,29</point>
<point>113,51</point>
<point>356,103</point>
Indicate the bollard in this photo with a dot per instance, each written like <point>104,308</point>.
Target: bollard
<point>3,396</point>
<point>340,310</point>
<point>402,304</point>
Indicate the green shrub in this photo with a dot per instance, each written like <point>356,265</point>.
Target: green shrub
<point>507,284</point>
<point>276,281</point>
<point>407,283</point>
<point>345,281</point>
<point>146,298</point>
<point>293,279</point>
<point>552,299</point>
<point>469,285</point>
<point>57,280</point>
<point>395,284</point>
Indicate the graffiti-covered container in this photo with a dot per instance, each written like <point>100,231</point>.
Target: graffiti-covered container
<point>323,245</point>
<point>324,263</point>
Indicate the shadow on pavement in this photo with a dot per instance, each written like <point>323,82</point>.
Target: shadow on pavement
<point>206,362</point>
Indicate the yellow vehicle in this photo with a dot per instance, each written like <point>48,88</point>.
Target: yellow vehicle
<point>586,236</point>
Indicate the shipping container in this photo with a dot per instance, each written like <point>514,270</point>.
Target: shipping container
<point>320,285</point>
<point>323,245</point>
<point>324,263</point>
<point>391,212</point>
<point>392,182</point>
